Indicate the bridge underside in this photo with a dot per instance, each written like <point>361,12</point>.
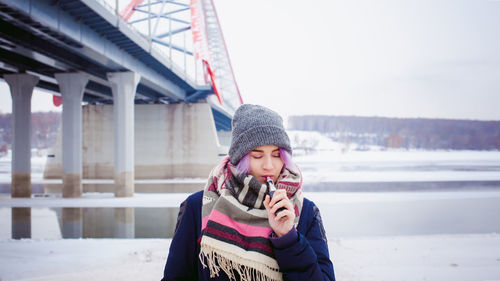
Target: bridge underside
<point>81,52</point>
<point>30,43</point>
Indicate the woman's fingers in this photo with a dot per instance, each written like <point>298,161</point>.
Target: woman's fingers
<point>281,204</point>
<point>280,222</point>
<point>280,201</point>
<point>267,200</point>
<point>283,214</point>
<point>279,194</point>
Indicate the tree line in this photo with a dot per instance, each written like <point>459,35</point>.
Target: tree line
<point>409,133</point>
<point>44,128</point>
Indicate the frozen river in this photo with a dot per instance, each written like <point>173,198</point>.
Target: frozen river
<point>329,170</point>
<point>374,193</point>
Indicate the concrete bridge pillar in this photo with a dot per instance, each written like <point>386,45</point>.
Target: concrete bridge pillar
<point>21,90</point>
<point>124,85</point>
<point>71,86</point>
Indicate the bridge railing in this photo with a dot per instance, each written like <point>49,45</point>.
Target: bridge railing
<point>187,34</point>
<point>145,23</point>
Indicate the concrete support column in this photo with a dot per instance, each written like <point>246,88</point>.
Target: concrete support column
<point>21,90</point>
<point>72,86</point>
<point>124,85</point>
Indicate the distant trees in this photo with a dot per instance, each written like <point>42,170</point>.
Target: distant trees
<point>394,141</point>
<point>406,133</point>
<point>44,128</point>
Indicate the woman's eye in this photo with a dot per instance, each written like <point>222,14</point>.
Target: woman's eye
<point>276,155</point>
<point>257,156</point>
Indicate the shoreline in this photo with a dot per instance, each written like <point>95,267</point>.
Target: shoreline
<point>165,200</point>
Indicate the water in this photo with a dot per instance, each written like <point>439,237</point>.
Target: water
<point>412,217</point>
<point>57,223</point>
<point>365,194</point>
<point>356,215</point>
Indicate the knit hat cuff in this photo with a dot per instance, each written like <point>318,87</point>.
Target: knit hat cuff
<point>258,136</point>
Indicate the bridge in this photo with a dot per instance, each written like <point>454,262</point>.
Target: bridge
<point>145,87</point>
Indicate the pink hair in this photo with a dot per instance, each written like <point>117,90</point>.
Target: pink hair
<point>243,166</point>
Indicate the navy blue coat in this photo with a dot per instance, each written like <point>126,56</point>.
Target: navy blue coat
<point>302,254</point>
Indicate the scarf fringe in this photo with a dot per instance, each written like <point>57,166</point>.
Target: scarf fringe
<point>248,270</point>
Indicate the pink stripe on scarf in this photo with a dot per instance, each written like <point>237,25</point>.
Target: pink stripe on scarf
<point>243,244</point>
<point>244,229</point>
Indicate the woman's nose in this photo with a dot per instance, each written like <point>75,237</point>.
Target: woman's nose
<point>268,163</point>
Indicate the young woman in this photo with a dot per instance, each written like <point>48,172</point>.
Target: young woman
<point>234,230</point>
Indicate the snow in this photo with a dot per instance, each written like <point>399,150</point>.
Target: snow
<point>312,139</point>
<point>383,197</point>
<point>400,166</point>
<point>166,200</point>
<point>329,163</point>
<point>326,175</point>
<point>431,258</point>
<point>468,157</point>
<point>83,259</point>
<point>352,166</point>
<point>94,200</point>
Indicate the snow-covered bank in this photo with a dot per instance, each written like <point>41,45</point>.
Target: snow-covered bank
<point>329,164</point>
<point>400,166</point>
<point>165,200</point>
<point>97,199</point>
<point>431,258</point>
<point>83,259</point>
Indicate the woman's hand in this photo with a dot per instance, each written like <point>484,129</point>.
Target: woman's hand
<point>281,223</point>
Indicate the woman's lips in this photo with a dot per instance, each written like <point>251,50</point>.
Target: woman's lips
<point>268,176</point>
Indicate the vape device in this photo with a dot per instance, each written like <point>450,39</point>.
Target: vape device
<point>272,189</point>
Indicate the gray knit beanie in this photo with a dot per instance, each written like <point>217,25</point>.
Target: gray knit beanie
<point>254,126</point>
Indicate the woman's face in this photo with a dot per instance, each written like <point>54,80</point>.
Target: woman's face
<point>265,161</point>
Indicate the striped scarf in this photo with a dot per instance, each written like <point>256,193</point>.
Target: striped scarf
<point>235,227</point>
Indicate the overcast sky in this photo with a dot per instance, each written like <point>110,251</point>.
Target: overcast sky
<point>425,58</point>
